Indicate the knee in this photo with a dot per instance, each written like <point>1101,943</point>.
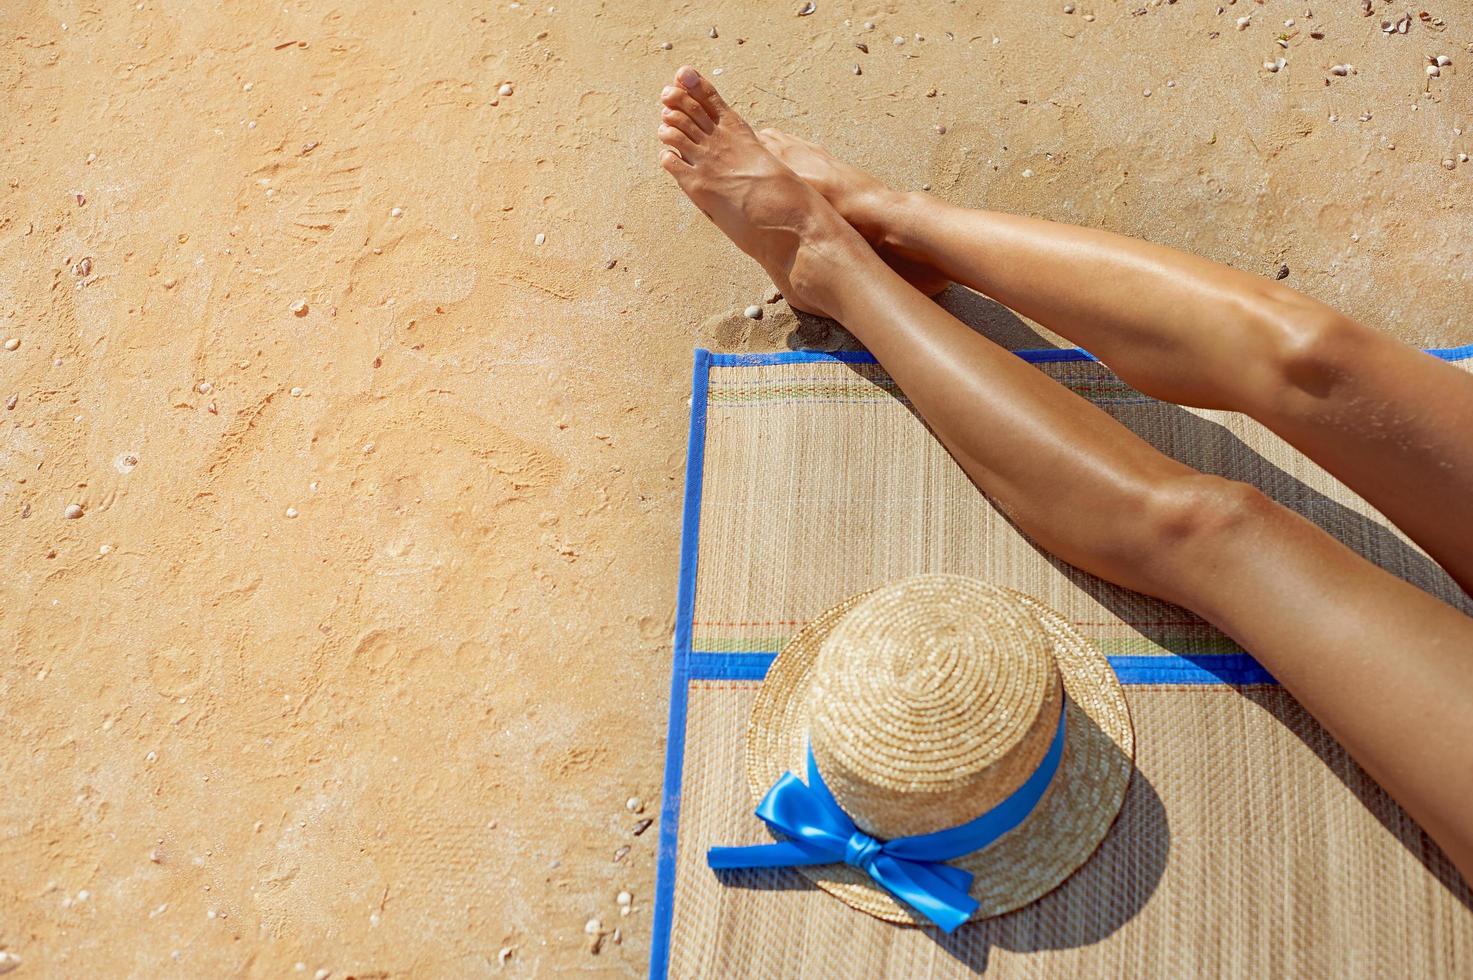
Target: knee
<point>1312,351</point>
<point>1201,508</point>
<point>1189,523</point>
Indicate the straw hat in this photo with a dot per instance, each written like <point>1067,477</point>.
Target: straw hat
<point>929,701</point>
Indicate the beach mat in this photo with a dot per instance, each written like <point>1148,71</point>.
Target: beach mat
<point>1249,842</point>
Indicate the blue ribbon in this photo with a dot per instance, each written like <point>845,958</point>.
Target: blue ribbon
<point>912,869</point>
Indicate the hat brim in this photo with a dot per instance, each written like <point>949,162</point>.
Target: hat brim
<point>1029,861</point>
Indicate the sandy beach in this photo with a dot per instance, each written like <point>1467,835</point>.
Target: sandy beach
<point>346,356</point>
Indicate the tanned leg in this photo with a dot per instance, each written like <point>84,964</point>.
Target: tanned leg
<point>1316,614</point>
<point>1387,420</point>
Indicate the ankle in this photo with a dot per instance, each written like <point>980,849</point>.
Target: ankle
<point>842,269</point>
<point>895,217</point>
<point>827,262</point>
<point>870,209</point>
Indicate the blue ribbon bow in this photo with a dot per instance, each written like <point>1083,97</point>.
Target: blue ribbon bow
<point>910,868</point>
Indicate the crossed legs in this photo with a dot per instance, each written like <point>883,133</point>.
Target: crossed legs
<point>1383,665</point>
<point>1384,418</point>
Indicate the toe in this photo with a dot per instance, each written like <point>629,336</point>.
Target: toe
<point>684,123</point>
<point>678,141</point>
<point>672,162</point>
<point>703,92</point>
<point>675,97</point>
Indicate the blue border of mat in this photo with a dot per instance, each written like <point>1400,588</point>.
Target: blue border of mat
<point>1046,356</point>
<point>1452,353</point>
<point>691,664</point>
<point>685,604</point>
<point>1051,355</point>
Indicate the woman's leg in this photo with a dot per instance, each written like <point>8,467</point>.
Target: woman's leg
<point>1382,664</point>
<point>1389,421</point>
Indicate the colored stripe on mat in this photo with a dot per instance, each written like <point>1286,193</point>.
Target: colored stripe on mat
<point>1207,668</point>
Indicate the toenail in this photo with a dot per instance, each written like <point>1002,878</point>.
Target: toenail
<point>688,77</point>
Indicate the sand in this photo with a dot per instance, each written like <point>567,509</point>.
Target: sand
<point>370,383</point>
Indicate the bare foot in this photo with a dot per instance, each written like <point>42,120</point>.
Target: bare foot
<point>861,198</point>
<point>759,204</point>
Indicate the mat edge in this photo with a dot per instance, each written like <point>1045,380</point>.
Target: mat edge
<point>1034,355</point>
<point>695,463</point>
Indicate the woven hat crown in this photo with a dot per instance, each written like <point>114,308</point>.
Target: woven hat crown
<point>933,699</point>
